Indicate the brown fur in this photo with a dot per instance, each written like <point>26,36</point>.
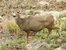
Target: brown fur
<point>36,24</point>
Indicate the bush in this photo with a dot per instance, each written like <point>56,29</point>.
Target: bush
<point>13,27</point>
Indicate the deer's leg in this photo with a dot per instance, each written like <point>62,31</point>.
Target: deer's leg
<point>31,36</point>
<point>49,32</point>
<point>27,34</point>
<point>59,33</point>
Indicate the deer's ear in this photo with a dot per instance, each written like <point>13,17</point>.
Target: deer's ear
<point>24,16</point>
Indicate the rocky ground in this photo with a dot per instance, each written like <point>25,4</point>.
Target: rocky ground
<point>10,36</point>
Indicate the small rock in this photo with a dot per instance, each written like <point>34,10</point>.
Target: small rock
<point>36,44</point>
<point>59,48</point>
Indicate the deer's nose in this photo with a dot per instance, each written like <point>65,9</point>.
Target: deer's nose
<point>14,16</point>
